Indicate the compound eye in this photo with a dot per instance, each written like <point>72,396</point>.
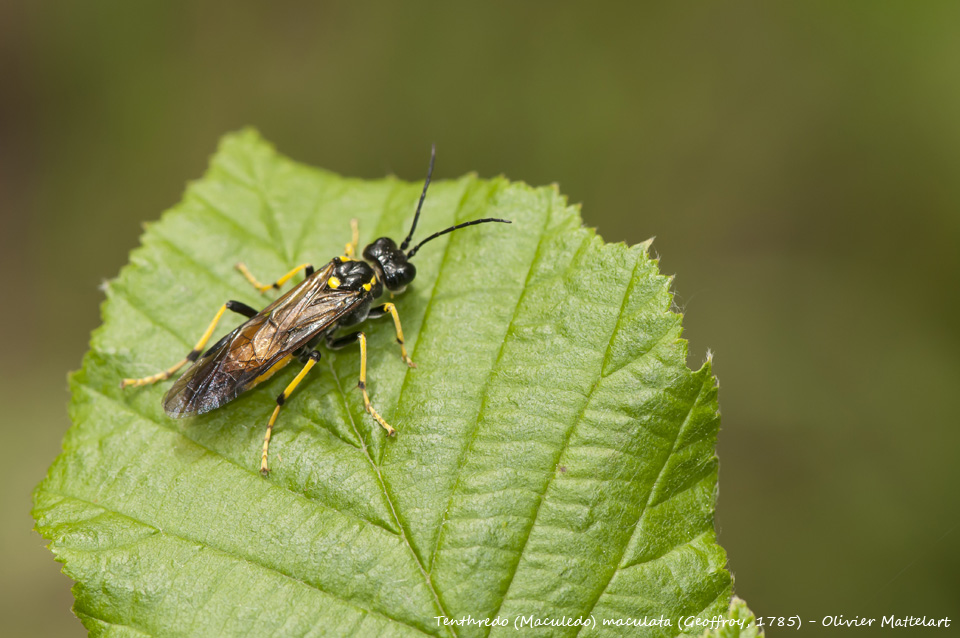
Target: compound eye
<point>406,273</point>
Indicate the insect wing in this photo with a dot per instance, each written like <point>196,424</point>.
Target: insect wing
<point>257,349</point>
<point>206,384</point>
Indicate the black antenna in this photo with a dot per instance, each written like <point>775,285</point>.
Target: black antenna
<point>433,156</point>
<point>413,251</point>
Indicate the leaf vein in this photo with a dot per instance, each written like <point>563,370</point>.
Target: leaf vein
<point>136,628</point>
<point>205,201</point>
<point>653,489</point>
<point>149,419</point>
<point>393,510</point>
<point>567,435</point>
<point>267,212</point>
<point>486,388</point>
<point>245,559</point>
<point>293,408</point>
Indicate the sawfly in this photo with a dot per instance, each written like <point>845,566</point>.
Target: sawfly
<point>338,295</point>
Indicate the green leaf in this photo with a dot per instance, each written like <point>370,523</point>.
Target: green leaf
<point>739,622</point>
<point>554,456</point>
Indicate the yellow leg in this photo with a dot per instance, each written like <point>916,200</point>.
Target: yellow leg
<point>392,309</point>
<point>242,267</point>
<point>353,246</point>
<point>363,386</point>
<point>192,356</point>
<point>314,357</point>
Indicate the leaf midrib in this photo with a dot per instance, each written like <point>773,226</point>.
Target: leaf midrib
<point>383,485</point>
<point>201,267</point>
<point>390,503</point>
<point>262,176</point>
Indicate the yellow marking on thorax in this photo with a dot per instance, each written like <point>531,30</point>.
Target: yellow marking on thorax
<point>333,282</point>
<point>367,286</point>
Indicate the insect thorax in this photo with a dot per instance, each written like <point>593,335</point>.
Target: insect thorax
<point>350,274</point>
<point>357,276</point>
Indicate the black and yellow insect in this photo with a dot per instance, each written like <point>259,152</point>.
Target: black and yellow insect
<point>338,295</point>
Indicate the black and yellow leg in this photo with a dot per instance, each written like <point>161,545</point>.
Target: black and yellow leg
<point>336,344</point>
<point>194,354</point>
<point>242,267</point>
<point>353,246</point>
<point>379,311</point>
<point>281,399</point>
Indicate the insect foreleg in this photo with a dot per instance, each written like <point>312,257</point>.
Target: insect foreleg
<point>336,344</point>
<point>379,311</point>
<point>193,355</point>
<point>281,399</point>
<point>242,267</point>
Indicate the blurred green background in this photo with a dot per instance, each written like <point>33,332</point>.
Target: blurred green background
<point>797,162</point>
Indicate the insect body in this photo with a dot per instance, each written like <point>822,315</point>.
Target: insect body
<point>338,295</point>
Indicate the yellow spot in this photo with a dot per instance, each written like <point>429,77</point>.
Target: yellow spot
<point>272,370</point>
<point>333,282</point>
<point>367,287</point>
<point>345,258</point>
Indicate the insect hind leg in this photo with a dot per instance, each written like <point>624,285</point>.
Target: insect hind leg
<point>340,342</point>
<point>193,355</point>
<point>312,360</point>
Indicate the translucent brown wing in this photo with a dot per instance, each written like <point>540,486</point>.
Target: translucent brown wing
<point>257,349</point>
